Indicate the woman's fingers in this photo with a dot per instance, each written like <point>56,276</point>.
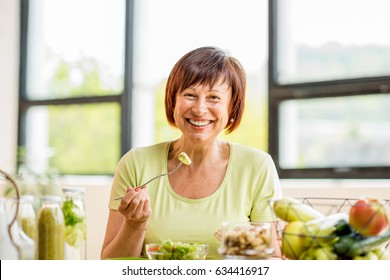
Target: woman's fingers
<point>143,206</point>
<point>127,198</point>
<point>143,210</point>
<point>139,201</point>
<point>139,188</point>
<point>147,203</point>
<point>135,205</point>
<point>147,211</point>
<point>132,199</point>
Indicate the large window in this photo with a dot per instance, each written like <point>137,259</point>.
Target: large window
<point>94,71</point>
<point>329,88</point>
<point>74,94</point>
<point>93,74</point>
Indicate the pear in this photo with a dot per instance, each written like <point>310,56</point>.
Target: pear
<point>293,241</point>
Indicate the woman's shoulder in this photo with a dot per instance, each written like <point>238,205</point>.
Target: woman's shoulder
<point>246,157</point>
<point>146,152</point>
<point>151,149</point>
<point>242,151</point>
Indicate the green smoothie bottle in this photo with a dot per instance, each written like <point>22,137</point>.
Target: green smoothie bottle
<point>51,230</point>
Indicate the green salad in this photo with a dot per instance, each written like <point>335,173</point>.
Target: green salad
<point>181,251</point>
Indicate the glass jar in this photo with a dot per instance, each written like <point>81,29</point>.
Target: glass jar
<point>23,241</point>
<point>27,216</point>
<point>73,208</point>
<point>51,230</point>
<point>8,250</point>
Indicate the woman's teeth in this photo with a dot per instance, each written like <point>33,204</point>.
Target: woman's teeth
<point>199,123</point>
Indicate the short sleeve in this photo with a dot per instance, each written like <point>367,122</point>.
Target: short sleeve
<point>123,178</point>
<point>268,189</point>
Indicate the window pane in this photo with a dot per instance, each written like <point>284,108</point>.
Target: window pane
<point>74,139</point>
<point>239,27</point>
<point>332,39</point>
<point>75,48</point>
<point>335,132</point>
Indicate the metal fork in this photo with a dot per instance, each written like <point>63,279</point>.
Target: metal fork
<point>154,178</point>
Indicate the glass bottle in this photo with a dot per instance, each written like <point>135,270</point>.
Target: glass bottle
<point>51,230</point>
<point>27,216</point>
<point>8,250</point>
<point>23,241</point>
<point>73,208</point>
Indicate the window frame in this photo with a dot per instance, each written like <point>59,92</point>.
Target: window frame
<point>124,99</point>
<point>277,93</point>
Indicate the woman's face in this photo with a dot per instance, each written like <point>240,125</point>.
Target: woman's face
<point>201,112</point>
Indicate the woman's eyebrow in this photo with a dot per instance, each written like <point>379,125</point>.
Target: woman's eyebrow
<point>210,90</point>
<point>217,90</point>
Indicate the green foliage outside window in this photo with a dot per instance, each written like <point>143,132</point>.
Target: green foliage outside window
<point>85,138</point>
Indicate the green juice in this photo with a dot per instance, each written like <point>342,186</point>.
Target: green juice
<point>51,234</point>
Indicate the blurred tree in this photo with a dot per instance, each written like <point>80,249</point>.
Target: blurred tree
<point>85,138</point>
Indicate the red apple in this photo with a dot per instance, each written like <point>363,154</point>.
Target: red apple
<point>368,217</point>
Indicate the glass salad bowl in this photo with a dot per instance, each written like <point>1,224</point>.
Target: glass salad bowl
<point>246,240</point>
<point>170,250</point>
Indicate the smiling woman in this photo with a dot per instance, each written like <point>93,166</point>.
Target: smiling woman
<point>156,17</point>
<point>224,182</point>
<point>221,88</point>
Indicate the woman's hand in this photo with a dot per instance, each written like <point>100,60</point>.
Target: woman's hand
<point>135,207</point>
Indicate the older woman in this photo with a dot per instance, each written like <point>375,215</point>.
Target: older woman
<point>226,181</point>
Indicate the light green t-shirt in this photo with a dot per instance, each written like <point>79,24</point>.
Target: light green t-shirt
<point>250,182</point>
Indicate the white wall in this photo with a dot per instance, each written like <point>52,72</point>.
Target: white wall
<point>9,67</point>
<point>97,193</point>
<point>336,188</point>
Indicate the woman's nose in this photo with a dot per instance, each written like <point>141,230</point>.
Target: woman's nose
<point>200,107</point>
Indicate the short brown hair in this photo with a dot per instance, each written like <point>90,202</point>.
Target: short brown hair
<point>205,66</point>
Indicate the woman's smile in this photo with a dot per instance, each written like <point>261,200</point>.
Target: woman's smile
<point>199,123</point>
<point>202,111</point>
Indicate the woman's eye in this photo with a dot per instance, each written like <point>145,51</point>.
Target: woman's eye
<point>190,95</point>
<point>214,97</point>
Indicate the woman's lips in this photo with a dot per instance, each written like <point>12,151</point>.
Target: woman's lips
<point>199,123</point>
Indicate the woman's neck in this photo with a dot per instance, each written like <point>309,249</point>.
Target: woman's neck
<point>212,152</point>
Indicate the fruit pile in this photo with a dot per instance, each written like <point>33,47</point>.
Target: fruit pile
<point>363,232</point>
